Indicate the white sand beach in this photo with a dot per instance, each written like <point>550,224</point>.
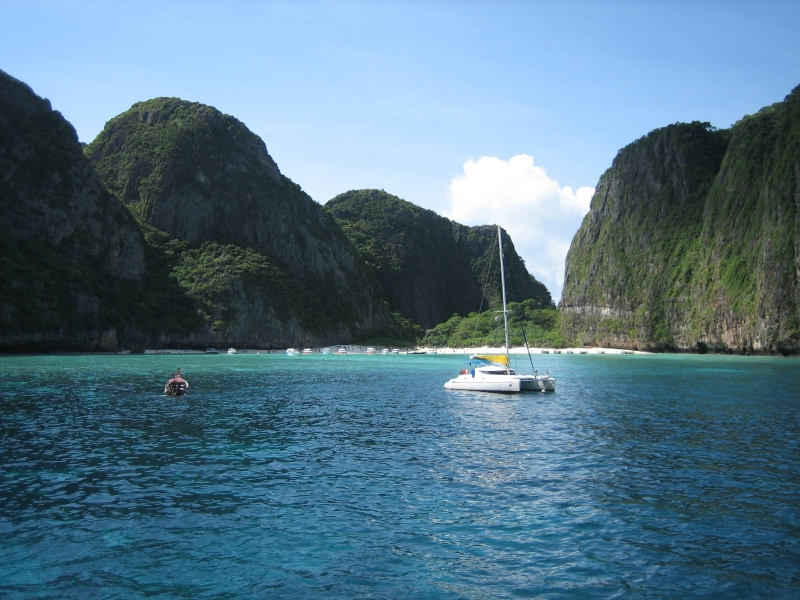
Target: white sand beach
<point>523,350</point>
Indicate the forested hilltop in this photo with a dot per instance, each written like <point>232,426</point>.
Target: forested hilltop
<point>427,266</point>
<point>693,241</point>
<point>264,263</point>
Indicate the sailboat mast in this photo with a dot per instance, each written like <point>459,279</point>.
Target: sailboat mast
<point>503,282</point>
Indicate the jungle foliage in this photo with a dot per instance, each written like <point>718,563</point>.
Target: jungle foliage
<point>427,266</point>
<point>213,275</point>
<point>540,327</point>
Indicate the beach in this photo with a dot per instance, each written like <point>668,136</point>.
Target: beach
<point>523,350</point>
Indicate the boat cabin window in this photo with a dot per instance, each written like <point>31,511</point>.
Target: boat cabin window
<point>496,371</point>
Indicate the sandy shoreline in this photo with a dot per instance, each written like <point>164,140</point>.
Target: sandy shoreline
<point>358,349</point>
<point>523,350</point>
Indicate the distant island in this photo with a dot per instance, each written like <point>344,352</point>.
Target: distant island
<point>175,228</point>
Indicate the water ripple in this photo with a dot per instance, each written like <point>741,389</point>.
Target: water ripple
<point>355,476</point>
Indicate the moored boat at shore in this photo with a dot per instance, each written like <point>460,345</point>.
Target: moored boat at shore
<point>494,373</point>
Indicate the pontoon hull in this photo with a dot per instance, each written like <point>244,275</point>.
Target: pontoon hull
<point>504,385</point>
<point>509,384</point>
<point>538,384</point>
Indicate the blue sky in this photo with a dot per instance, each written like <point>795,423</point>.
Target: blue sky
<point>405,96</point>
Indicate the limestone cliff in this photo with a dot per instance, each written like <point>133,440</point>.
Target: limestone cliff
<point>251,260</point>
<point>693,240</point>
<point>61,232</point>
<point>430,267</point>
<point>202,177</point>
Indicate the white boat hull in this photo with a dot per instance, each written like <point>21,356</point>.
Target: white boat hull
<point>494,383</point>
<point>487,379</point>
<point>539,383</point>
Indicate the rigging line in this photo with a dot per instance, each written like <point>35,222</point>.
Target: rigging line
<point>519,318</point>
<point>483,296</point>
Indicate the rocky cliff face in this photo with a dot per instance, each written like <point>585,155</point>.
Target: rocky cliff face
<point>430,267</point>
<point>200,175</point>
<point>204,178</point>
<point>61,231</point>
<point>693,241</point>
<point>247,258</point>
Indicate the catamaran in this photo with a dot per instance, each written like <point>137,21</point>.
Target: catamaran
<point>493,373</point>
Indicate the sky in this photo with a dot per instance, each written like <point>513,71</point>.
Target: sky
<point>485,112</point>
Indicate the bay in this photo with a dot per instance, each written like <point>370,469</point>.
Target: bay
<point>360,476</point>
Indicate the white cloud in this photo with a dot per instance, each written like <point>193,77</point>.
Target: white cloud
<point>540,216</point>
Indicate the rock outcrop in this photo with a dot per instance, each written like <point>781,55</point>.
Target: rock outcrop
<point>693,241</point>
<point>202,177</point>
<point>428,266</point>
<point>61,232</point>
<point>214,246</point>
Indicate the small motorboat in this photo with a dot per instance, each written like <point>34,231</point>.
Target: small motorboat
<point>385,351</point>
<point>326,350</point>
<point>341,350</point>
<point>176,386</point>
<point>232,351</point>
<point>307,351</point>
<point>370,350</point>
<point>395,351</point>
<point>212,351</point>
<point>292,352</point>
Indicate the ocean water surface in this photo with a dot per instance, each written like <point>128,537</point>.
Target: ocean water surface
<point>361,477</point>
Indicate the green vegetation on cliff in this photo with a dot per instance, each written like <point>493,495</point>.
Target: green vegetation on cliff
<point>429,267</point>
<point>191,171</point>
<point>222,279</point>
<point>264,262</point>
<point>542,328</point>
<point>215,246</point>
<point>692,240</point>
<point>74,264</point>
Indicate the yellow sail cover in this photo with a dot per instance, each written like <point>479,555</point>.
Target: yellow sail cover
<point>498,359</point>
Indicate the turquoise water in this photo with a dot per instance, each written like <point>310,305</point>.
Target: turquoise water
<point>359,476</point>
